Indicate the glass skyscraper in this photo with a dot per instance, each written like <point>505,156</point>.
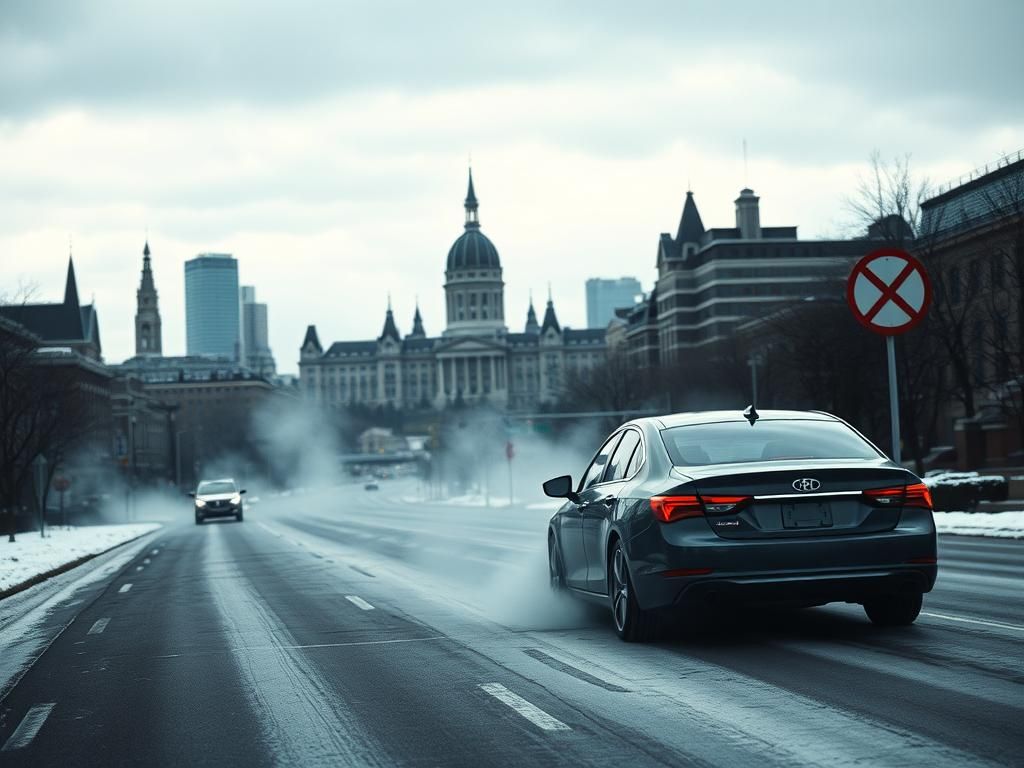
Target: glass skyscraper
<point>605,296</point>
<point>212,305</point>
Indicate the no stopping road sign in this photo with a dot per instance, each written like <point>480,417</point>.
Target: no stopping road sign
<point>889,291</point>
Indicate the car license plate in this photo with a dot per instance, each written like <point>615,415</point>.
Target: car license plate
<point>807,515</point>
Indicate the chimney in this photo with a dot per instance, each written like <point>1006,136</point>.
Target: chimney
<point>748,215</point>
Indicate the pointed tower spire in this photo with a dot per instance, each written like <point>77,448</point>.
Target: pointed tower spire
<point>71,286</point>
<point>531,319</point>
<point>690,226</point>
<point>390,330</point>
<point>472,216</point>
<point>550,320</point>
<point>417,324</point>
<point>148,328</point>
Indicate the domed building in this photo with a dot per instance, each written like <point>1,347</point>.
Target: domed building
<point>475,359</point>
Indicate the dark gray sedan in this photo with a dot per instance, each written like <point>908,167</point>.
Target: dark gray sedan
<point>699,508</point>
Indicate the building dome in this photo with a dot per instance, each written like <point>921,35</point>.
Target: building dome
<point>473,250</point>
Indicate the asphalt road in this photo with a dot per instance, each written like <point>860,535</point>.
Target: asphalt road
<point>362,629</point>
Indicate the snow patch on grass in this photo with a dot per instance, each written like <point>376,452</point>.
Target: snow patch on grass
<point>32,555</point>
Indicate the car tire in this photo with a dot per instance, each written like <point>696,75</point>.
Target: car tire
<point>556,573</point>
<point>895,610</point>
<point>632,623</point>
<point>199,519</point>
<point>238,517</point>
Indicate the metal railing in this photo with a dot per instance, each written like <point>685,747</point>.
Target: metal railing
<point>980,171</point>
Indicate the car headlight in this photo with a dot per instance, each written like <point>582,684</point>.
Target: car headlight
<point>200,503</point>
<point>236,499</point>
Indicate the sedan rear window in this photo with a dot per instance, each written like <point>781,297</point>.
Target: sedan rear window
<point>739,442</point>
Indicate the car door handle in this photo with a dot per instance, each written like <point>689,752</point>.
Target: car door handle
<point>607,501</point>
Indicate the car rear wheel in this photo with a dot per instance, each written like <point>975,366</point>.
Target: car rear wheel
<point>238,517</point>
<point>896,610</point>
<point>555,573</point>
<point>632,623</point>
<point>199,519</point>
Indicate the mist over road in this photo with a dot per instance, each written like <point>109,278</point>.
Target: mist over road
<point>350,627</point>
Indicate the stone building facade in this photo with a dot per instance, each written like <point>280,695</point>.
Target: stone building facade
<point>476,359</point>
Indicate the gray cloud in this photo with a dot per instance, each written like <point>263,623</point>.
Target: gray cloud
<point>168,55</point>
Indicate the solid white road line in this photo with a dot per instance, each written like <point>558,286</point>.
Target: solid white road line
<point>534,714</point>
<point>28,727</point>
<point>124,589</point>
<point>358,601</point>
<point>98,626</point>
<point>980,622</point>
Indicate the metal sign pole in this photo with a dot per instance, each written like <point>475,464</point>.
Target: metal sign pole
<point>894,400</point>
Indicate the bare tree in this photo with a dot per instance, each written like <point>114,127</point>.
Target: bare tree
<point>44,412</point>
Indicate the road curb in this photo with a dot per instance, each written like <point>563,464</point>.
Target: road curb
<point>41,577</point>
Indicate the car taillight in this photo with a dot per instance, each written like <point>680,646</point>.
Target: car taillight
<point>916,495</point>
<point>668,509</point>
<point>721,505</point>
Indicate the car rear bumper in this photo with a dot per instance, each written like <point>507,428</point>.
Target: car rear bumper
<point>811,569</point>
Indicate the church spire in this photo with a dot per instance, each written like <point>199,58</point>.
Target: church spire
<point>472,217</point>
<point>148,330</point>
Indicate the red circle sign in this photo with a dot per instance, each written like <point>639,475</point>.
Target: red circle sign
<point>62,483</point>
<point>889,291</point>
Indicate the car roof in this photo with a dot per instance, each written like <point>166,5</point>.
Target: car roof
<point>218,480</point>
<point>714,417</point>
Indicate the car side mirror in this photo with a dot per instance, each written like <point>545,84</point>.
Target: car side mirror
<point>560,488</point>
<point>242,491</point>
<point>190,493</point>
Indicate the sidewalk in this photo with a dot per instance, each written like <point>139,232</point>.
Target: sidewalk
<point>32,558</point>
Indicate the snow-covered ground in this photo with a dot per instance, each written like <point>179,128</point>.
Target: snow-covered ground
<point>32,555</point>
<point>1007,525</point>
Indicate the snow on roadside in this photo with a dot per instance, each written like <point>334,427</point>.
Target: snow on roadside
<point>1007,525</point>
<point>32,555</point>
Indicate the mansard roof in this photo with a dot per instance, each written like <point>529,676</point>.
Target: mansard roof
<point>584,336</point>
<point>352,349</point>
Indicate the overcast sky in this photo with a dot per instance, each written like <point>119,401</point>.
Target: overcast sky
<point>325,144</point>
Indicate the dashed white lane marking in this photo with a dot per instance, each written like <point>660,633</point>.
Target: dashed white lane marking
<point>98,626</point>
<point>28,727</point>
<point>147,561</point>
<point>124,589</point>
<point>358,601</point>
<point>534,714</point>
<point>155,552</point>
<point>336,645</point>
<point>139,567</point>
<point>981,622</point>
